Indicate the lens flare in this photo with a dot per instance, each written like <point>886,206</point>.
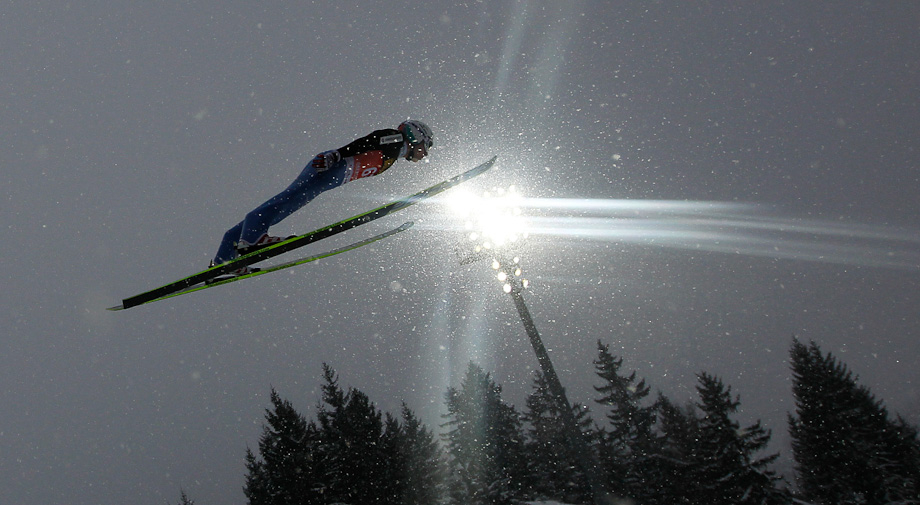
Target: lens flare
<point>494,224</point>
<point>492,220</point>
<point>500,219</point>
<point>727,227</point>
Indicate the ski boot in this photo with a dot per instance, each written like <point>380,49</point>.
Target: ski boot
<point>243,247</point>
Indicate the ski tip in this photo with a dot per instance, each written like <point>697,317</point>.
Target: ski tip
<point>117,307</point>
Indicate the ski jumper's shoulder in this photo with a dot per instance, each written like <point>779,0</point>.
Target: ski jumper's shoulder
<point>389,141</point>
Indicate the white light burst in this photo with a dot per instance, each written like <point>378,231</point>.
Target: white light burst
<point>494,224</point>
<point>493,219</point>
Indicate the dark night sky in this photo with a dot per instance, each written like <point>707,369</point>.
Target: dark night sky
<point>133,135</point>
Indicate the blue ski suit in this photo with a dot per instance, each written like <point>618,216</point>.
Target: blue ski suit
<point>365,157</point>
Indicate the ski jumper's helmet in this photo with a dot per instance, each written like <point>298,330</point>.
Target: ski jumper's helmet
<point>416,132</point>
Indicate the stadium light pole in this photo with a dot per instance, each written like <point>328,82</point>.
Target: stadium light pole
<point>579,448</point>
<point>494,226</point>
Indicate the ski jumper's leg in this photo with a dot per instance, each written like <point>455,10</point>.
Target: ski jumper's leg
<point>227,249</point>
<point>307,186</point>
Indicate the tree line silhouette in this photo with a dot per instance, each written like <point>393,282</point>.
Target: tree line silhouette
<point>846,446</point>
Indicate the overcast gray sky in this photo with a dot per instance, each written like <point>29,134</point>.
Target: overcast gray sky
<point>132,135</point>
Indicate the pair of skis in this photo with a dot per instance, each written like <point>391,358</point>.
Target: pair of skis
<point>206,278</point>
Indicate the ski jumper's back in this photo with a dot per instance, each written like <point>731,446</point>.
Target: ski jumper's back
<point>372,154</point>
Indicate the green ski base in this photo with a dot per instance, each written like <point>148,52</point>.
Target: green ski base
<point>281,266</point>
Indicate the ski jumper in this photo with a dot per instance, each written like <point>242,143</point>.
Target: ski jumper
<point>364,157</point>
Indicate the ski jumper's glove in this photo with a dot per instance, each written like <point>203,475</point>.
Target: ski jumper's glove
<point>325,160</point>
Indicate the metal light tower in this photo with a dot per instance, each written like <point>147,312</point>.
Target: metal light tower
<point>495,227</point>
<point>514,284</point>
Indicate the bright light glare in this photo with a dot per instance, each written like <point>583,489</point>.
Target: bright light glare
<point>492,220</point>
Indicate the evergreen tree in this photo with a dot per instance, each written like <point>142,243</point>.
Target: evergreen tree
<point>553,470</point>
<point>287,472</point>
<point>184,499</point>
<point>902,447</point>
<point>423,460</point>
<point>484,443</point>
<point>352,456</point>
<point>393,476</point>
<point>847,450</point>
<point>724,462</point>
<point>630,445</point>
<point>680,431</point>
<point>352,433</point>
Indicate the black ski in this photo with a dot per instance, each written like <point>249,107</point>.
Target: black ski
<point>302,240</point>
<point>282,266</point>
